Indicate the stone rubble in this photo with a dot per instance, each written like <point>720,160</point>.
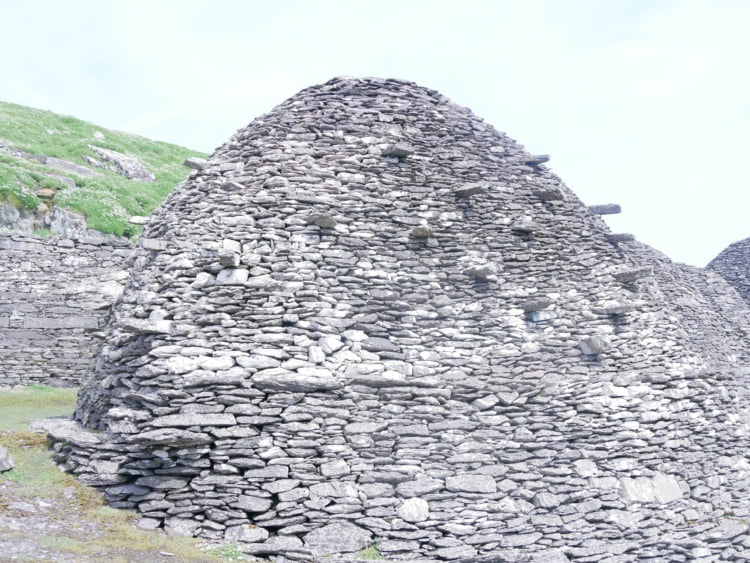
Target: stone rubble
<point>291,367</point>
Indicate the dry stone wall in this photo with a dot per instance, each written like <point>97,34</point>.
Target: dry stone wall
<point>54,296</point>
<point>733,263</point>
<point>370,316</point>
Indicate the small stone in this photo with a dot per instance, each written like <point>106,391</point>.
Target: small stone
<point>469,190</point>
<point>594,345</point>
<point>471,484</point>
<point>148,523</point>
<point>421,232</point>
<point>245,533</point>
<point>337,537</point>
<point>375,344</point>
<point>335,468</point>
<point>322,220</point>
<point>456,552</point>
<point>250,503</point>
<point>399,150</point>
<point>414,510</point>
<point>196,163</point>
<point>606,209</point>
<point>180,526</point>
<point>6,460</point>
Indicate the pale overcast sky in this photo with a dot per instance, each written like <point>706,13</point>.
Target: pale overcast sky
<point>645,103</point>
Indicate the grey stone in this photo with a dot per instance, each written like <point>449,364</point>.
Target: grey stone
<point>337,537</point>
<point>279,379</point>
<point>605,209</point>
<point>471,484</point>
<point>196,163</point>
<point>194,419</point>
<point>6,460</point>
<point>274,545</point>
<point>414,510</point>
<point>398,150</point>
<point>125,164</point>
<point>251,503</point>
<point>175,526</point>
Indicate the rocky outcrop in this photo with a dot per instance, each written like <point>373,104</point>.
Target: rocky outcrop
<point>54,296</point>
<point>56,220</point>
<point>733,263</point>
<point>371,317</point>
<point>125,164</point>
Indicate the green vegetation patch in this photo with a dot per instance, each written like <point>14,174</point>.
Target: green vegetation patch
<point>21,406</point>
<point>108,200</point>
<point>371,553</point>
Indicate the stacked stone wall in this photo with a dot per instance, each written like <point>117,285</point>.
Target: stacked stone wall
<point>733,263</point>
<point>370,317</point>
<point>54,296</point>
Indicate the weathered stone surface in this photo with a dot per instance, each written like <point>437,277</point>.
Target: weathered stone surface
<point>196,163</point>
<point>196,419</point>
<point>253,504</point>
<point>6,460</point>
<point>414,510</point>
<point>471,484</point>
<point>124,164</point>
<point>605,209</point>
<point>660,488</point>
<point>279,379</point>
<point>337,537</point>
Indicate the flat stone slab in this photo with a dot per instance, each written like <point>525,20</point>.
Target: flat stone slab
<point>337,537</point>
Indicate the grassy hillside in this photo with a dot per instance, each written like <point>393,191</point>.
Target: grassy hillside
<point>107,200</point>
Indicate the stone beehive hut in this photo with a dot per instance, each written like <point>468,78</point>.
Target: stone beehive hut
<point>733,263</point>
<point>371,317</point>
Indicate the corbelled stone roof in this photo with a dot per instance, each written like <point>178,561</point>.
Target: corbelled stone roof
<point>370,316</point>
<point>733,263</point>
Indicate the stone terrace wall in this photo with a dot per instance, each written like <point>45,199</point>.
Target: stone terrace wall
<point>54,296</point>
<point>733,263</point>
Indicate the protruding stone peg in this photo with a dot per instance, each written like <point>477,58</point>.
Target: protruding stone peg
<point>229,253</point>
<point>536,304</point>
<point>422,231</point>
<point>633,274</point>
<point>481,272</point>
<point>322,220</point>
<point>548,194</point>
<point>616,238</point>
<point>594,345</point>
<point>400,150</point>
<point>537,159</point>
<point>606,209</point>
<point>614,308</point>
<point>196,163</point>
<point>524,228</point>
<point>468,190</point>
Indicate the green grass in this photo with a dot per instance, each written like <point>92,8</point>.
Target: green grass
<point>107,201</point>
<point>19,407</point>
<point>371,553</point>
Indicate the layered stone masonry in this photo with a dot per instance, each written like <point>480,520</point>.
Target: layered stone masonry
<point>370,316</point>
<point>733,263</point>
<point>54,296</point>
